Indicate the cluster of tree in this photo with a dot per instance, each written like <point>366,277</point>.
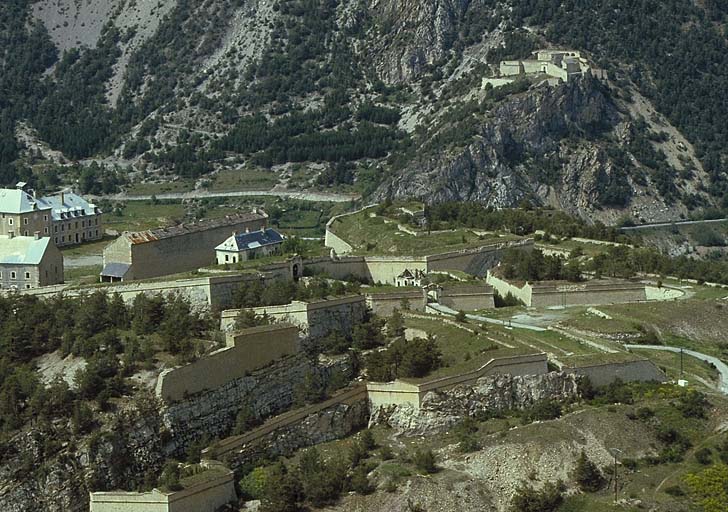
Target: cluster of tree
<point>314,480</point>
<point>404,358</point>
<point>273,293</point>
<point>112,336</point>
<point>95,178</point>
<point>624,261</point>
<point>535,266</point>
<point>366,335</point>
<point>521,221</point>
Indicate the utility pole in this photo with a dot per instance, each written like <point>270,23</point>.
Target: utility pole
<point>681,363</point>
<point>616,452</point>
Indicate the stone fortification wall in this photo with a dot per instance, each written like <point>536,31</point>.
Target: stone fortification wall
<point>475,261</point>
<point>262,393</point>
<point>337,417</point>
<point>522,293</point>
<point>246,351</point>
<point>402,392</point>
<point>642,370</point>
<point>384,304</point>
<point>207,496</point>
<point>440,410</point>
<point>466,297</point>
<point>202,292</point>
<point>587,293</point>
<point>337,244</point>
<point>385,269</point>
<point>339,268</point>
<point>316,319</point>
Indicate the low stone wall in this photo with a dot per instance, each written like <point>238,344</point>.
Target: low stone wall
<point>340,415</point>
<point>316,318</point>
<point>587,293</point>
<point>206,496</point>
<point>384,304</point>
<point>642,370</point>
<point>402,392</point>
<point>248,350</point>
<point>466,297</point>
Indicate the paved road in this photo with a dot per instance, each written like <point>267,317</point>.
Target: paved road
<point>507,323</point>
<point>201,194</point>
<point>676,223</point>
<point>720,365</point>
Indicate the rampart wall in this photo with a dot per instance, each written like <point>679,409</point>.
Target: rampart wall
<point>522,293</point>
<point>401,392</point>
<point>384,304</point>
<point>206,496</point>
<point>628,371</point>
<point>247,350</point>
<point>466,298</point>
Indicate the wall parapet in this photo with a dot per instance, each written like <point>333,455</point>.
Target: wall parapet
<point>401,392</point>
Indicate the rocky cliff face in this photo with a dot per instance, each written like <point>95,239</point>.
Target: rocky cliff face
<point>442,410</point>
<point>521,151</point>
<point>52,470</point>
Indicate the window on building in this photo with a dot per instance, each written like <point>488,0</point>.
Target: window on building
<point>83,223</point>
<point>55,229</point>
<point>97,232</point>
<point>45,230</point>
<point>12,275</point>
<point>76,224</point>
<point>27,275</point>
<point>63,227</point>
<point>227,258</point>
<point>27,287</point>
<point>63,238</point>
<point>10,221</point>
<point>45,218</point>
<point>97,222</point>
<point>25,221</point>
<point>55,240</point>
<point>25,232</point>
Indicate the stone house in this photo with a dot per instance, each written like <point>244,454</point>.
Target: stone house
<point>29,262</point>
<point>67,217</point>
<point>249,245</point>
<point>172,250</point>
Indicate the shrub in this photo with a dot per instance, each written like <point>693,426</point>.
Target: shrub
<point>548,499</point>
<point>360,481</point>
<point>704,456</point>
<point>424,461</point>
<point>587,475</point>
<point>542,411</point>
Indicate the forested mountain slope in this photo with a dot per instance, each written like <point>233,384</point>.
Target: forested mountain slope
<point>380,96</point>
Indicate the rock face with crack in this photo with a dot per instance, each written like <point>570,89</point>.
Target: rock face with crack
<point>442,410</point>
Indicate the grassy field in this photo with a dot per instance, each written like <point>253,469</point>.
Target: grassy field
<point>379,235</point>
<point>140,215</point>
<point>143,189</point>
<point>243,179</point>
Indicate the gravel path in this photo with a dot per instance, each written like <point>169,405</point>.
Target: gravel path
<point>507,323</point>
<point>719,365</point>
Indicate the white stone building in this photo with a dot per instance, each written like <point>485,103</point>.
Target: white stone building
<point>250,245</point>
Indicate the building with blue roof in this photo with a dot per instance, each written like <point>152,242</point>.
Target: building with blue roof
<point>249,245</point>
<point>29,262</point>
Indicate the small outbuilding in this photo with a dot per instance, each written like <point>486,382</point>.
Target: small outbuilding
<point>249,246</point>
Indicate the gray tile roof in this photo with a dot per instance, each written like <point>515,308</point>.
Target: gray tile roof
<point>15,201</point>
<point>70,207</point>
<point>115,270</point>
<point>22,250</point>
<point>252,240</point>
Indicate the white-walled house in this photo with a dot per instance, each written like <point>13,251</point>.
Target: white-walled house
<point>248,246</point>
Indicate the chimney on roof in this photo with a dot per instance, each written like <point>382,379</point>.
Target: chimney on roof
<point>247,230</point>
<point>11,234</point>
<point>63,196</point>
<point>235,233</point>
<point>36,235</point>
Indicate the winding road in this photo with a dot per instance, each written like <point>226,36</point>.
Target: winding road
<point>719,365</point>
<point>676,223</point>
<point>202,194</point>
<point>506,323</point>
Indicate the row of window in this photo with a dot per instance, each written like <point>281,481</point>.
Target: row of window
<point>45,219</point>
<point>13,275</point>
<point>84,236</point>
